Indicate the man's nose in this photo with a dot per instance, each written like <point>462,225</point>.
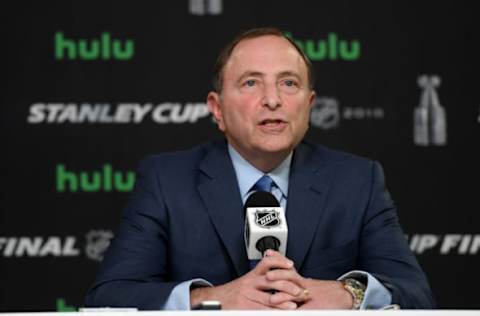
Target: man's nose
<point>271,97</point>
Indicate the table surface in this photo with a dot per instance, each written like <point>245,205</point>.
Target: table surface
<point>113,312</point>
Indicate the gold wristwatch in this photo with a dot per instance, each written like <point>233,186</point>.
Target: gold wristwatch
<point>357,289</point>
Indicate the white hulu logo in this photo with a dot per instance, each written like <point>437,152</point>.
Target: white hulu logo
<point>202,7</point>
<point>430,123</point>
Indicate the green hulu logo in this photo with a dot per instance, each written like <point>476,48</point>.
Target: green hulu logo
<point>106,180</point>
<point>63,307</point>
<point>104,48</point>
<point>331,48</point>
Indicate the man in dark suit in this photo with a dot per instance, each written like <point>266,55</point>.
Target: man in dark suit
<point>181,238</point>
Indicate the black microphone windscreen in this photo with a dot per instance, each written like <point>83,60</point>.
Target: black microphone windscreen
<point>261,199</point>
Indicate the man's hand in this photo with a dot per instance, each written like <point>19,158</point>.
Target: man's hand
<point>319,294</point>
<point>252,291</point>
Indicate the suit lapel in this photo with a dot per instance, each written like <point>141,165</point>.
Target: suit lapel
<point>218,188</point>
<point>308,188</point>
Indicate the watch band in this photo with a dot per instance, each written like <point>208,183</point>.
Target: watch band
<point>356,289</point>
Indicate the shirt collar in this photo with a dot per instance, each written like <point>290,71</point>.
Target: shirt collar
<point>248,175</point>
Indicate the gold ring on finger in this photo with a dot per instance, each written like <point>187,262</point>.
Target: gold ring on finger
<point>306,294</point>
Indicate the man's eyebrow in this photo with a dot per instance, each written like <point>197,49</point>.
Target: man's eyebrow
<point>288,73</point>
<point>250,73</point>
<point>282,74</point>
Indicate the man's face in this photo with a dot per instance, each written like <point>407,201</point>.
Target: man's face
<point>265,102</point>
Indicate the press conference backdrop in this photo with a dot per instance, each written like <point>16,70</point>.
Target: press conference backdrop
<point>94,86</point>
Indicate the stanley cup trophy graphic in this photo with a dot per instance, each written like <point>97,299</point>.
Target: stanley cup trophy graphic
<point>430,123</point>
<point>202,7</point>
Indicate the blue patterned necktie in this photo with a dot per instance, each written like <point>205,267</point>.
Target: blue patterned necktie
<point>265,183</point>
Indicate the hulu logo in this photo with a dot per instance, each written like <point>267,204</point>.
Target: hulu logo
<point>106,180</point>
<point>332,48</point>
<point>63,307</point>
<point>104,48</point>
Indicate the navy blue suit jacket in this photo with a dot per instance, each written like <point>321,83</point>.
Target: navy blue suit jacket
<point>185,220</point>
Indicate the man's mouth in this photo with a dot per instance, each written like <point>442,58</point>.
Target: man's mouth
<point>272,122</point>
<point>273,125</point>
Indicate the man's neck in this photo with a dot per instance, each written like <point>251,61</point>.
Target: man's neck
<point>264,161</point>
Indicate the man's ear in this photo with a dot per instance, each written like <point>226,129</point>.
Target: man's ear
<point>214,105</point>
<point>313,96</point>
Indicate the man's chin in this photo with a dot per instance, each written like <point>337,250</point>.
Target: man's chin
<point>275,149</point>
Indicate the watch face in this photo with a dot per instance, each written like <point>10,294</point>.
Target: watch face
<point>357,290</point>
<point>356,285</point>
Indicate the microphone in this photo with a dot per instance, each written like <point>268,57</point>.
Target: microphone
<point>265,225</point>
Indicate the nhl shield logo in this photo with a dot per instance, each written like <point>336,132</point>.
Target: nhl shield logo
<point>267,218</point>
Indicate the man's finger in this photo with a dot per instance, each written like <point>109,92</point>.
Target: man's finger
<point>273,253</point>
<point>273,262</point>
<point>281,297</point>
<point>287,305</point>
<point>260,297</point>
<point>265,298</point>
<point>284,286</point>
<point>255,305</point>
<point>283,274</point>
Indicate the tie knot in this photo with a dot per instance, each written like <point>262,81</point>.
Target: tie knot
<point>263,184</point>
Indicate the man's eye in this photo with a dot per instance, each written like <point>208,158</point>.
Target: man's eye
<point>250,83</point>
<point>290,83</point>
